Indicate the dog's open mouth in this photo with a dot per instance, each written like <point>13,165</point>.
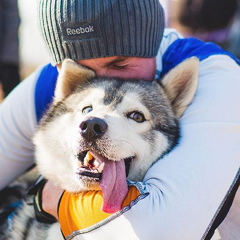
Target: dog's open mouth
<point>92,164</point>
<point>110,174</point>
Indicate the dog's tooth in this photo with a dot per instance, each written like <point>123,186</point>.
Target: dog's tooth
<point>88,158</point>
<point>101,167</point>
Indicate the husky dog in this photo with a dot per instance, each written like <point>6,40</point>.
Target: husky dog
<point>98,132</point>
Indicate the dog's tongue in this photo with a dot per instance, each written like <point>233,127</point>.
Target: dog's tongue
<point>114,185</point>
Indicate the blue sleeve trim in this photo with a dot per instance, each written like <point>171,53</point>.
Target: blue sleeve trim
<point>44,90</point>
<point>185,48</point>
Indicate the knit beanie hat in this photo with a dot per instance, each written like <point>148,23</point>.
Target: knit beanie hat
<point>85,29</point>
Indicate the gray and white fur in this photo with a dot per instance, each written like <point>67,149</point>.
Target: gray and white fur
<point>134,121</point>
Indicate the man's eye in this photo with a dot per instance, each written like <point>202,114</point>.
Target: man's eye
<point>87,109</point>
<point>121,66</point>
<point>137,116</point>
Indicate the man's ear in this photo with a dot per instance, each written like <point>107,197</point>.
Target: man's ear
<point>71,75</point>
<point>180,84</point>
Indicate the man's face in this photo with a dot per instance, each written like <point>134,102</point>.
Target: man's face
<point>122,67</point>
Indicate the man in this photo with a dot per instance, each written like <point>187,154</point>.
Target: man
<point>184,195</point>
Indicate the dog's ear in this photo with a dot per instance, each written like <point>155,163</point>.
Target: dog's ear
<point>71,75</point>
<point>181,83</point>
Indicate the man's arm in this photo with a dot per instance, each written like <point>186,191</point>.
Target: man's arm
<point>17,125</point>
<point>51,195</point>
<point>187,188</point>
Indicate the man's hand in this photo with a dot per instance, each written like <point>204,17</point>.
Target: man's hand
<point>50,198</point>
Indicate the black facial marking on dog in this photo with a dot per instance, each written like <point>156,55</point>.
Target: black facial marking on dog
<point>81,156</point>
<point>127,164</point>
<point>54,111</point>
<point>113,93</point>
<point>172,132</point>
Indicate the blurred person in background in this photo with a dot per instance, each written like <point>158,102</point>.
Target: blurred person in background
<point>211,21</point>
<point>234,35</point>
<point>9,43</point>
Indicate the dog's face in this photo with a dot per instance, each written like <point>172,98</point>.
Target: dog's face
<point>100,131</point>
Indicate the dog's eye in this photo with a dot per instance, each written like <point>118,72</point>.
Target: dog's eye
<point>87,109</point>
<point>136,116</point>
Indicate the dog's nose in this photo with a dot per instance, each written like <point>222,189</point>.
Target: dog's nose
<point>93,128</point>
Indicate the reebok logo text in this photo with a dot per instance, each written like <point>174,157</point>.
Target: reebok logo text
<point>80,30</point>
